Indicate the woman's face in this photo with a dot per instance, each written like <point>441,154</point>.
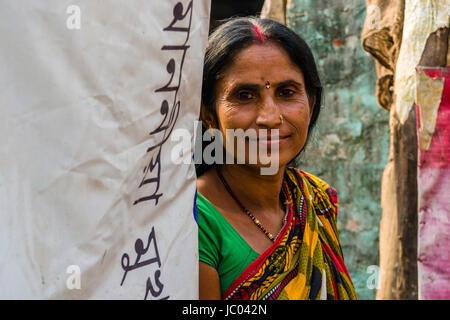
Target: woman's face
<point>245,101</point>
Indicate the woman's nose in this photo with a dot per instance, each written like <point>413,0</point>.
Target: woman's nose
<point>268,113</point>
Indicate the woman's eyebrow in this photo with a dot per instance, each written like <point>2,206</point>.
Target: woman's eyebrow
<point>288,83</point>
<point>255,86</point>
<point>244,86</point>
<point>249,86</point>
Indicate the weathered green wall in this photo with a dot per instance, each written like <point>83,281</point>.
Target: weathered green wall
<point>350,146</point>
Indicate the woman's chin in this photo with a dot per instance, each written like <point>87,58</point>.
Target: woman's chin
<point>272,161</point>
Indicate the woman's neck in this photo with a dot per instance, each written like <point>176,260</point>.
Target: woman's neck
<point>255,191</point>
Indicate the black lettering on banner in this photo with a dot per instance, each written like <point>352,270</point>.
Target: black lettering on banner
<point>140,252</point>
<point>152,171</point>
<point>149,286</point>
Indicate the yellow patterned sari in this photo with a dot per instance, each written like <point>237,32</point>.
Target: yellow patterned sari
<point>306,261</point>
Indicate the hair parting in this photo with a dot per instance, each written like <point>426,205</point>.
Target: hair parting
<point>258,33</point>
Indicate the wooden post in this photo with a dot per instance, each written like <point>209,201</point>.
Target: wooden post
<point>275,10</point>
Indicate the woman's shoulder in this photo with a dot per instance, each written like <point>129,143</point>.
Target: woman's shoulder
<point>205,209</point>
<point>207,188</point>
<point>209,219</point>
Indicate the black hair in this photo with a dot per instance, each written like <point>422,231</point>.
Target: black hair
<point>226,41</point>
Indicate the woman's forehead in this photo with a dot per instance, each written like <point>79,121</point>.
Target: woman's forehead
<point>262,61</point>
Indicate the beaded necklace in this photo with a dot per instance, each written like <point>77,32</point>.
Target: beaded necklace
<point>246,211</point>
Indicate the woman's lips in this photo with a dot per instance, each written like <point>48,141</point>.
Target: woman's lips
<point>270,140</point>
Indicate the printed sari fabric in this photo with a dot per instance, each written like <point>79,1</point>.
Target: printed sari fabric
<point>306,261</point>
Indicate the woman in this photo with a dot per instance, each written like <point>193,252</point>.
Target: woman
<point>265,236</point>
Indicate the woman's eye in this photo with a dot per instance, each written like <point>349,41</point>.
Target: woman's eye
<point>286,93</point>
<point>245,95</point>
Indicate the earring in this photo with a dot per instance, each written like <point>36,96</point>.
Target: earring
<point>211,131</point>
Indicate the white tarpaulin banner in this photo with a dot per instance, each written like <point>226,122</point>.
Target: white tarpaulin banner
<point>91,204</point>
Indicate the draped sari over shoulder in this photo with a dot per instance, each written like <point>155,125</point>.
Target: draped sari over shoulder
<point>306,260</point>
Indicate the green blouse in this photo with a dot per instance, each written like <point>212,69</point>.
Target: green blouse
<point>220,245</point>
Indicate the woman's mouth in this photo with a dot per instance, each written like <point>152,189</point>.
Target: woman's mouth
<point>270,140</point>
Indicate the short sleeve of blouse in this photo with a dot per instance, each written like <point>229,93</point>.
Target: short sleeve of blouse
<point>208,229</point>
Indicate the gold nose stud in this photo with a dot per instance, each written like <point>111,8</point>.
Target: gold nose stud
<point>281,118</point>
